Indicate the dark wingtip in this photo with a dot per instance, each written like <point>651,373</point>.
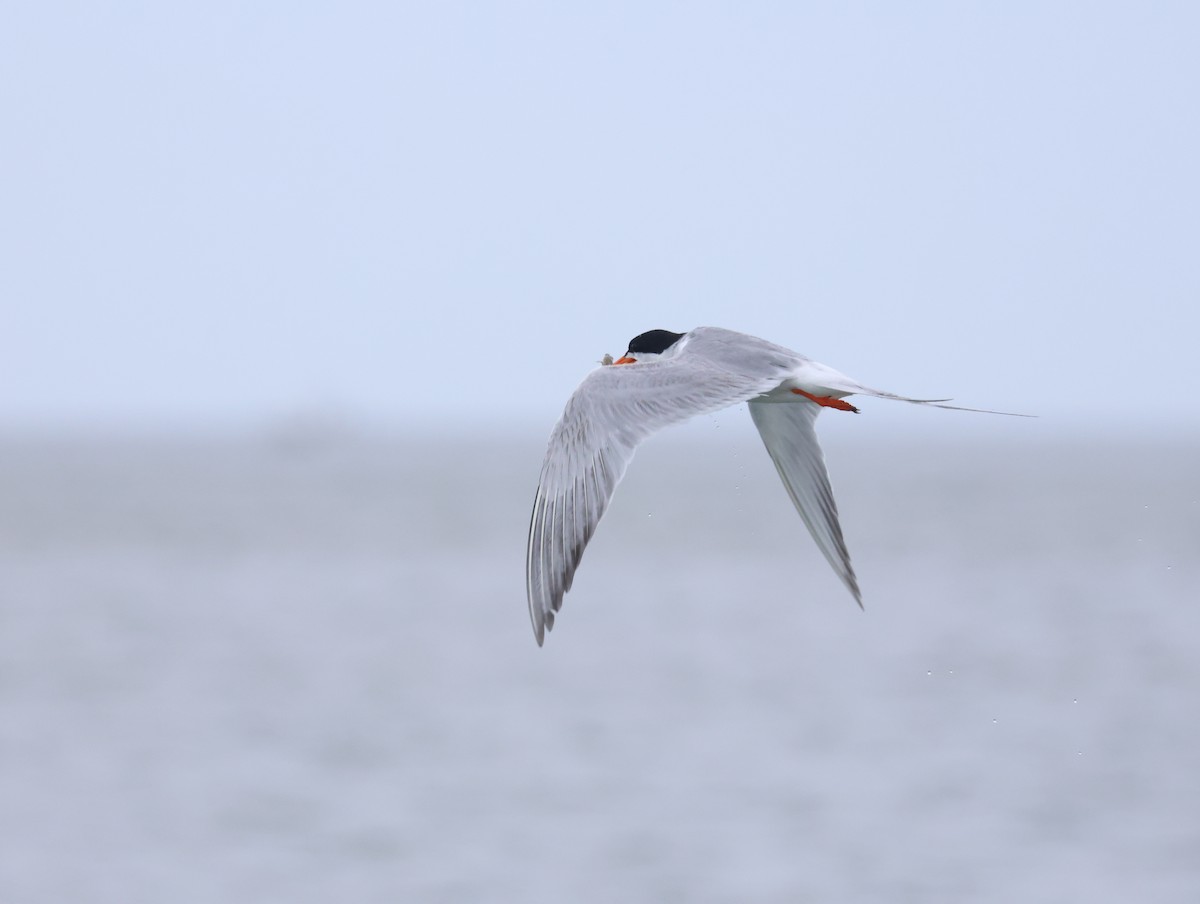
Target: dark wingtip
<point>538,624</point>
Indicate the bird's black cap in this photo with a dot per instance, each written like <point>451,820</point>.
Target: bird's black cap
<point>654,342</point>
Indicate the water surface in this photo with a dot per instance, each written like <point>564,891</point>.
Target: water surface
<point>300,669</point>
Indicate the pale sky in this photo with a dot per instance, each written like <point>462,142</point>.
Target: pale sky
<point>225,213</point>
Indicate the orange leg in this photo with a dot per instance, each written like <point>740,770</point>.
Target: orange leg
<point>827,401</point>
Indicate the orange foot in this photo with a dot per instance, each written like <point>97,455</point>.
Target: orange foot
<point>827,401</point>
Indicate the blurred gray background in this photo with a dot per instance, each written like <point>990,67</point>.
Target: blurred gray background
<point>290,297</point>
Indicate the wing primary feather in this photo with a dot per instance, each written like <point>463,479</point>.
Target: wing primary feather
<point>533,569</point>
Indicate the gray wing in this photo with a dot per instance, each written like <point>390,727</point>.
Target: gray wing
<point>611,412</point>
<point>787,431</point>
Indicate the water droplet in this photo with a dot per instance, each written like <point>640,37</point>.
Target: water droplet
<point>930,673</point>
<point>994,721</point>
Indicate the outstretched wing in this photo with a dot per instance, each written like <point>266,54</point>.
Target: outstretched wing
<point>614,409</point>
<point>786,428</point>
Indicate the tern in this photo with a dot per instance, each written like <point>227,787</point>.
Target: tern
<point>662,379</point>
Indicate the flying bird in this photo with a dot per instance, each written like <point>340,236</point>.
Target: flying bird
<point>665,378</point>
